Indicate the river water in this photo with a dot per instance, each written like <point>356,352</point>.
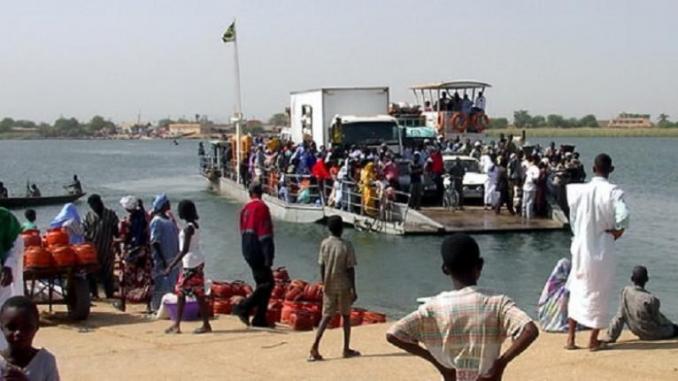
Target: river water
<point>392,271</point>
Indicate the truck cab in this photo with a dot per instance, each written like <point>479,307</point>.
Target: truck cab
<point>366,131</point>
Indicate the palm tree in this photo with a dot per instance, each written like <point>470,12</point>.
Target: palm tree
<point>662,120</point>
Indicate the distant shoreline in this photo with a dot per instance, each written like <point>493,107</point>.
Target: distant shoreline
<point>545,132</point>
<point>584,132</point>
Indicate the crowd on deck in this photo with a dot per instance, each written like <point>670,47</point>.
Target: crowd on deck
<point>365,179</point>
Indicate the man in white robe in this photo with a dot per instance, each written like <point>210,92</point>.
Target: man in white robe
<point>598,216</point>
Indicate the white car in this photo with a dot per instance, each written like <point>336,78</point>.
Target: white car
<point>474,179</point>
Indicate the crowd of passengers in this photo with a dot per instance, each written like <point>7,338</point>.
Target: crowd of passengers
<point>368,180</point>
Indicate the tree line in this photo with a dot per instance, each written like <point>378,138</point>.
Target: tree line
<point>523,119</point>
<point>62,127</point>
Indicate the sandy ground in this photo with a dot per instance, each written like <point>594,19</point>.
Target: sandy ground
<point>116,346</point>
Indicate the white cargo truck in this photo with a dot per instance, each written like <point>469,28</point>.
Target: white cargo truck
<point>314,115</point>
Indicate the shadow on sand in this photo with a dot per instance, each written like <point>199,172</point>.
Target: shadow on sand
<point>96,319</point>
<point>644,345</point>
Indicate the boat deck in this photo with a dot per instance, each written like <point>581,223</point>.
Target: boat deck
<point>477,220</point>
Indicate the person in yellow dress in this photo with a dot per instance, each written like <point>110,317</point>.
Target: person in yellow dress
<point>369,195</point>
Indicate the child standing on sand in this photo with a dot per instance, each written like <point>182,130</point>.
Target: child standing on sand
<point>461,331</point>
<point>20,321</point>
<point>337,271</point>
<point>192,278</point>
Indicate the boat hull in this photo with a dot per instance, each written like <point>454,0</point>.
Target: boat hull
<point>26,202</point>
<point>302,214</point>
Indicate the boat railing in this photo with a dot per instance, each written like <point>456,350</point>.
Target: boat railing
<point>292,188</point>
<point>382,203</point>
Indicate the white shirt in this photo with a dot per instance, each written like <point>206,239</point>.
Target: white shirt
<point>531,176</point>
<point>42,367</point>
<point>480,102</point>
<point>193,257</point>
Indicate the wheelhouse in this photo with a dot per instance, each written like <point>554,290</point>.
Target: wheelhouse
<point>452,108</point>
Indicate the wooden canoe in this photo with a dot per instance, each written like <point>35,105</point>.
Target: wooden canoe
<point>25,202</point>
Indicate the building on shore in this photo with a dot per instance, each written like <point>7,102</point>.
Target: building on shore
<point>187,129</point>
<point>626,120</point>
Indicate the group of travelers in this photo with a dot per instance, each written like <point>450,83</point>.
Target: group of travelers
<point>458,103</point>
<point>144,247</point>
<point>368,180</point>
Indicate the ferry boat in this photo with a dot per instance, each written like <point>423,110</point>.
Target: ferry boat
<point>298,199</point>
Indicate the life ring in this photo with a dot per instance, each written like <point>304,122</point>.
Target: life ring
<point>480,121</point>
<point>441,123</point>
<point>458,122</point>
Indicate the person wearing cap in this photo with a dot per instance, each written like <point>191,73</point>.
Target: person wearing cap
<point>101,227</point>
<point>165,246</point>
<point>461,332</point>
<point>639,310</point>
<point>258,249</point>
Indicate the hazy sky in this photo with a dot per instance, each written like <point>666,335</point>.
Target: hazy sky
<point>165,58</point>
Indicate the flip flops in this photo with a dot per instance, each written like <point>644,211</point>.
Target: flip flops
<point>351,353</point>
<point>600,347</point>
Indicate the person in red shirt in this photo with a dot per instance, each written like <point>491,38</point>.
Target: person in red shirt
<point>258,249</point>
<point>321,174</point>
<point>391,172</point>
<point>436,166</point>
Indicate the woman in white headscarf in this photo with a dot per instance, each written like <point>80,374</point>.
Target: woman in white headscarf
<point>136,281</point>
<point>69,220</point>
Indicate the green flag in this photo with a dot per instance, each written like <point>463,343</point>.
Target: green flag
<point>229,34</point>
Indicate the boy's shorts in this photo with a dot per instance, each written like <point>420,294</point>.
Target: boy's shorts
<point>337,303</point>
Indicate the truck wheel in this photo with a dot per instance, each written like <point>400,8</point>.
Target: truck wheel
<point>78,300</point>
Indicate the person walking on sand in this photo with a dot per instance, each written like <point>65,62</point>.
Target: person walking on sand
<point>258,248</point>
<point>101,226</point>
<point>337,272</point>
<point>192,278</point>
<point>598,216</point>
<point>462,330</point>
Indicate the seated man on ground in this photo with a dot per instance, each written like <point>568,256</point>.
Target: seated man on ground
<point>462,330</point>
<point>639,309</point>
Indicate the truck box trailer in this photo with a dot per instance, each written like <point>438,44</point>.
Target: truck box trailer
<point>312,112</point>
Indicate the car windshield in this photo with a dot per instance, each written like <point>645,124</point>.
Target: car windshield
<point>370,133</point>
<point>469,165</point>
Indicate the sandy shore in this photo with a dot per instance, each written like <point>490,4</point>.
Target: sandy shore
<point>116,346</point>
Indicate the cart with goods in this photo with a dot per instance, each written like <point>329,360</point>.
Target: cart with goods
<point>55,272</point>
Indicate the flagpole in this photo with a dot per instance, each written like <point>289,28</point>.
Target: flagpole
<point>238,110</point>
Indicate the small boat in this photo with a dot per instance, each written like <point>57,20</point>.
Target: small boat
<point>25,202</point>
